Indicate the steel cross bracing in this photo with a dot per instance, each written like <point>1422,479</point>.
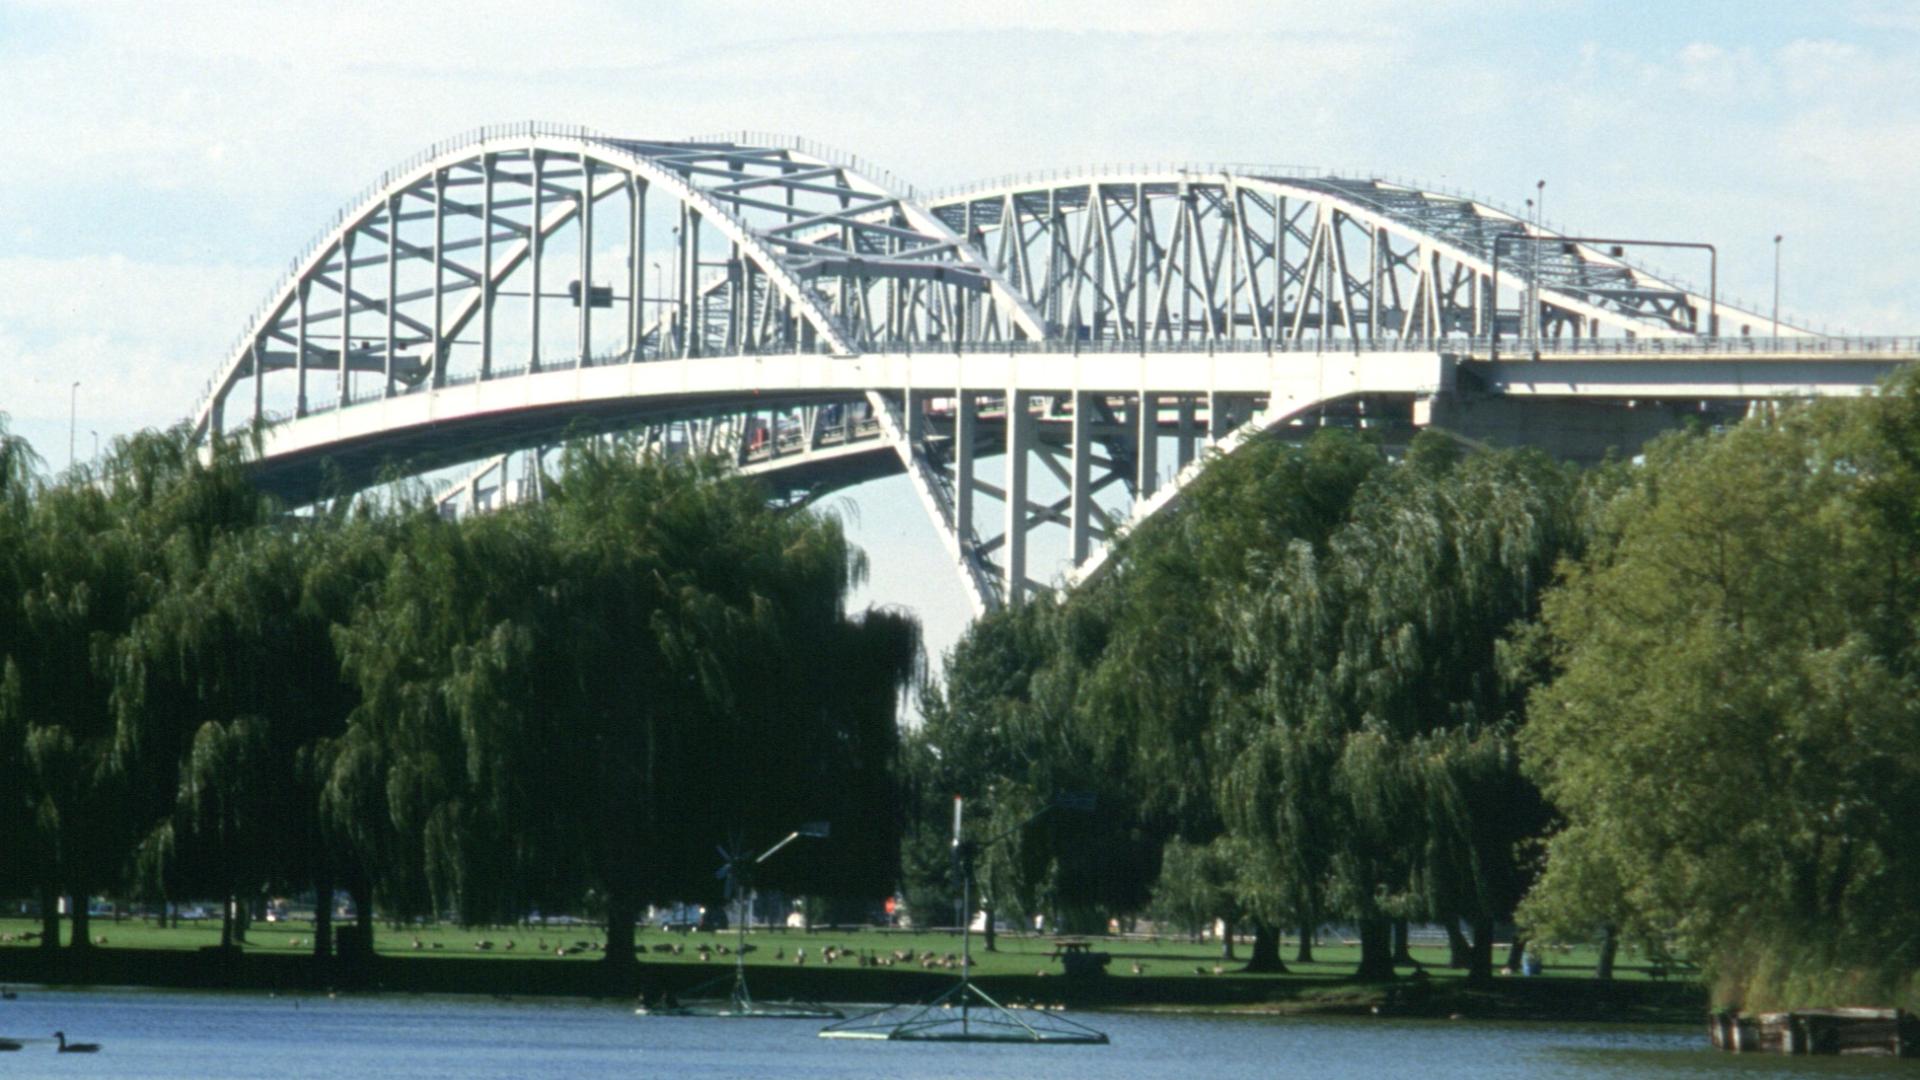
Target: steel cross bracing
<point>1047,361</point>
<point>1180,256</point>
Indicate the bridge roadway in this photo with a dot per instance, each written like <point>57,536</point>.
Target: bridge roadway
<point>1619,394</point>
<point>427,429</point>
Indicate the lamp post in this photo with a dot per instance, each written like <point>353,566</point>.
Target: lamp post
<point>1526,288</point>
<point>73,415</point>
<point>1776,286</point>
<point>1539,224</point>
<point>660,317</point>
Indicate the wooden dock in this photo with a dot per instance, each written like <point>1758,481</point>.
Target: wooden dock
<point>1867,1032</point>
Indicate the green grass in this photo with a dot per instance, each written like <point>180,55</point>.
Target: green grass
<point>1015,955</point>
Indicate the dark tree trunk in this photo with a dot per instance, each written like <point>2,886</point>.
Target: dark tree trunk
<point>1516,952</point>
<point>988,935</point>
<point>1376,950</point>
<point>1226,939</point>
<point>322,917</point>
<point>1609,948</point>
<point>1480,953</point>
<point>1304,954</point>
<point>1401,953</point>
<point>621,912</point>
<point>49,916</point>
<point>226,922</point>
<point>1459,950</point>
<point>242,919</point>
<point>361,890</point>
<point>1266,949</point>
<point>82,925</point>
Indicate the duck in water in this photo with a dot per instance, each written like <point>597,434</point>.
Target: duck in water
<point>75,1048</point>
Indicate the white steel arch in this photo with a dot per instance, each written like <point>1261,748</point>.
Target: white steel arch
<point>1094,333</point>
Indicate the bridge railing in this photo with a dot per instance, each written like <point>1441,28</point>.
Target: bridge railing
<point>1894,348</point>
<point>1733,347</point>
<point>1886,347</point>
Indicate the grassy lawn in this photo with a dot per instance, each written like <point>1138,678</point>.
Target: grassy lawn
<point>1016,954</point>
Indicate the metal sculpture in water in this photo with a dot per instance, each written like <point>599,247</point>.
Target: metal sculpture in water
<point>736,872</point>
<point>967,1013</point>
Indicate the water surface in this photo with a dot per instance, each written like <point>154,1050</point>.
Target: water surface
<point>177,1036</point>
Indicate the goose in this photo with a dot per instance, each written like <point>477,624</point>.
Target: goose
<point>75,1048</point>
<point>10,1044</point>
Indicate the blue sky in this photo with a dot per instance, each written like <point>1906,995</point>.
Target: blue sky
<point>163,161</point>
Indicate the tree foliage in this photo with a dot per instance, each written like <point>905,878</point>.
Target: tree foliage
<point>1303,673</point>
<point>563,706</point>
<point>1732,730</point>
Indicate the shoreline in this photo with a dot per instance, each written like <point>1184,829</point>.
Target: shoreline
<point>1441,996</point>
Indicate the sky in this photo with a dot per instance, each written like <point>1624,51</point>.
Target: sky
<point>160,162</point>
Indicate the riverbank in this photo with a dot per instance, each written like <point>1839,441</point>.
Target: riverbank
<point>1438,994</point>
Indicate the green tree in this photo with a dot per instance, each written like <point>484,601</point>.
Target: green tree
<point>238,661</point>
<point>22,853</point>
<point>82,587</point>
<point>1730,732</point>
<point>586,696</point>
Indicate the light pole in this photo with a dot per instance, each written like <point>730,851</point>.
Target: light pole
<point>660,315</point>
<point>1526,290</point>
<point>1776,285</point>
<point>96,444</point>
<point>73,415</point>
<point>1539,223</point>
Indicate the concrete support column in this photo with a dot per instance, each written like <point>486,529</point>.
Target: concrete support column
<point>1146,457</point>
<point>1020,437</point>
<point>964,434</point>
<point>1080,499</point>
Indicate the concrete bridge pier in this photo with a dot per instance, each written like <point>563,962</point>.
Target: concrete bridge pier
<point>1585,430</point>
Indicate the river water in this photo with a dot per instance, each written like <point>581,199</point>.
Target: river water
<point>176,1036</point>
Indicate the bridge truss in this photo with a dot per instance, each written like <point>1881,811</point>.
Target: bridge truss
<point>1044,357</point>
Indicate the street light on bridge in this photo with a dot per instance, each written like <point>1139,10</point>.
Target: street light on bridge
<point>1776,285</point>
<point>1534,315</point>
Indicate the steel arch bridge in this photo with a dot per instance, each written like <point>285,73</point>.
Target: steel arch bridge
<point>824,323</point>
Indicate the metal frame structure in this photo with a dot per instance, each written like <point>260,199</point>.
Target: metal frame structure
<point>1048,360</point>
<point>965,1012</point>
<point>738,1003</point>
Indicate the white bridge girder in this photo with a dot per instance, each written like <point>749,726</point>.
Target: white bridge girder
<point>1043,359</point>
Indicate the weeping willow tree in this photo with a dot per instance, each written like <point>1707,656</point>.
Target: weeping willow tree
<point>96,552</point>
<point>232,678</point>
<point>1445,559</point>
<point>583,697</point>
<point>1131,687</point>
<point>1303,670</point>
<point>22,855</point>
<point>1381,756</point>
